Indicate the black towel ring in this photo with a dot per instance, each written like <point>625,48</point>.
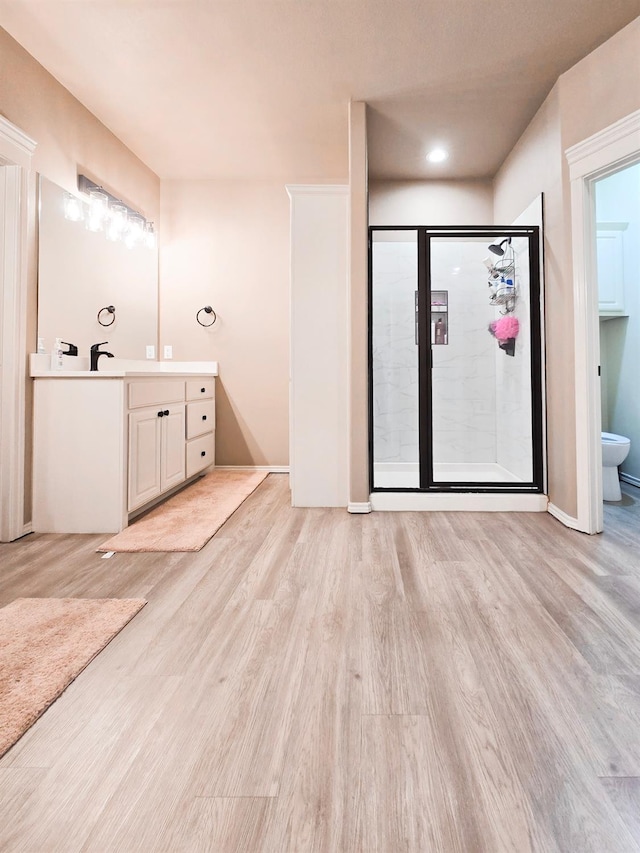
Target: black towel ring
<point>110,310</point>
<point>207,310</point>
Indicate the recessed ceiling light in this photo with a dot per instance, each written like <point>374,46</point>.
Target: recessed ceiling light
<point>437,155</point>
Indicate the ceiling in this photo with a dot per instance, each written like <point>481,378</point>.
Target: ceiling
<point>259,89</point>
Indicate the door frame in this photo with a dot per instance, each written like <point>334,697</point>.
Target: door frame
<point>16,150</point>
<point>599,155</point>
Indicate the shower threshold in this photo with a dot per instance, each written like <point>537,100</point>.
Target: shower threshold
<point>407,475</point>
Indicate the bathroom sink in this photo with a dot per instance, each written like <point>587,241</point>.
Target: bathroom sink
<point>78,367</point>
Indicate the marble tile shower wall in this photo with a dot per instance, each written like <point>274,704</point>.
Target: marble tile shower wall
<point>513,382</point>
<point>464,371</point>
<point>464,376</point>
<point>395,354</point>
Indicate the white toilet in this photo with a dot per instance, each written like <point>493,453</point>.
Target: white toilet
<point>615,449</point>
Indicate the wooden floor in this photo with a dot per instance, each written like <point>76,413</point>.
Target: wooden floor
<point>315,681</point>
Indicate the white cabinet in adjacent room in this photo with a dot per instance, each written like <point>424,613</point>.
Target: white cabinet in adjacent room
<point>610,266</point>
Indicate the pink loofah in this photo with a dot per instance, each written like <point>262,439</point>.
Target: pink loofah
<point>505,328</point>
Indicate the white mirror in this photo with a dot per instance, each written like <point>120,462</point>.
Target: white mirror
<point>81,272</point>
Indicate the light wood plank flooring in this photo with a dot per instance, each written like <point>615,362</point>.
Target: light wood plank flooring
<point>315,681</point>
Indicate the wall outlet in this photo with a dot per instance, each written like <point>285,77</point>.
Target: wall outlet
<point>151,351</point>
<point>168,351</point>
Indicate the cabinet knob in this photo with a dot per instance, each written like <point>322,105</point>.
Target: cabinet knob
<point>203,453</point>
<point>166,412</point>
<point>202,390</point>
<point>204,417</point>
<point>160,414</point>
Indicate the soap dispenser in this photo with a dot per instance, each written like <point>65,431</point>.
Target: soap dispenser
<point>56,355</point>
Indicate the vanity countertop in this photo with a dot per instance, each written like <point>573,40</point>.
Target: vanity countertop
<point>117,368</point>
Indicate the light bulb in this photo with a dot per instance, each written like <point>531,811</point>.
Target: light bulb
<point>135,230</point>
<point>437,155</point>
<point>118,220</point>
<point>98,210</point>
<point>73,208</point>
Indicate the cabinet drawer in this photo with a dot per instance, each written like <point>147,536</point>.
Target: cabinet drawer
<point>200,453</point>
<point>155,393</point>
<point>201,418</point>
<point>200,389</point>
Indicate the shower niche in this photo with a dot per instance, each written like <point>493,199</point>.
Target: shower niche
<point>439,317</point>
<point>455,359</point>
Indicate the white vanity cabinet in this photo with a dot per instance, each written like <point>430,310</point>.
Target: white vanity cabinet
<point>106,447</point>
<point>156,426</point>
<point>156,452</point>
<point>201,418</point>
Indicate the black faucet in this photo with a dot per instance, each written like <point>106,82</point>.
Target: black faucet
<point>96,353</point>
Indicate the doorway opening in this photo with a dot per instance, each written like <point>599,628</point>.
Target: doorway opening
<point>606,152</point>
<point>616,212</point>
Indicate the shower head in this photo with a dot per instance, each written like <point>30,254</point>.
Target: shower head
<point>497,249</point>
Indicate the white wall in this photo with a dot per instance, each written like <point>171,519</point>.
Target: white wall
<point>319,448</point>
<point>226,244</point>
<point>430,203</point>
<point>618,200</point>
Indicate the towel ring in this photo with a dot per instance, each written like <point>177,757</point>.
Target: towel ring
<point>110,310</point>
<point>207,310</point>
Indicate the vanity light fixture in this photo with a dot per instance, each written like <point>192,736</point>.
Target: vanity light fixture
<point>437,155</point>
<point>73,208</point>
<point>111,214</point>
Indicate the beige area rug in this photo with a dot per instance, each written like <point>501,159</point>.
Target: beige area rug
<point>44,644</point>
<point>188,520</point>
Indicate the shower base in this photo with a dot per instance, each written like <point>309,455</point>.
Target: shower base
<point>407,475</point>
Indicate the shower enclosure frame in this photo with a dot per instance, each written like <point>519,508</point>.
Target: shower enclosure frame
<point>425,360</point>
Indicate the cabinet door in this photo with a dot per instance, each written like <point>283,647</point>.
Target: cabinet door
<point>172,455</point>
<point>610,256</point>
<point>145,429</point>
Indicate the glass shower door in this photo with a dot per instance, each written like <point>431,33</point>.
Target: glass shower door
<point>481,414</point>
<point>455,359</point>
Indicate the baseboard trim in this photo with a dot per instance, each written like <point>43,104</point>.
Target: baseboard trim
<point>272,469</point>
<point>26,529</point>
<point>564,518</point>
<point>627,478</point>
<point>460,502</point>
<point>356,508</point>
